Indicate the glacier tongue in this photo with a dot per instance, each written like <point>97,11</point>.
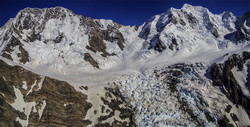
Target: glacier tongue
<point>179,94</point>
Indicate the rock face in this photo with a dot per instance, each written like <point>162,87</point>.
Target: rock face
<point>64,105</point>
<point>90,59</point>
<point>28,99</point>
<point>223,77</point>
<point>14,42</point>
<point>43,102</point>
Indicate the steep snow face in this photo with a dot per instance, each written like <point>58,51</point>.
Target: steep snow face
<point>189,28</point>
<point>60,40</point>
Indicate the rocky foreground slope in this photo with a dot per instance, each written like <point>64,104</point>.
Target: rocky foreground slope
<point>185,67</point>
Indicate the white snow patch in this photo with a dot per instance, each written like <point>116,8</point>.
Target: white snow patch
<point>4,78</point>
<point>24,86</point>
<point>94,94</point>
<point>241,78</point>
<point>31,88</point>
<point>66,104</point>
<point>42,108</point>
<point>40,83</point>
<point>22,106</point>
<point>2,94</point>
<point>24,123</point>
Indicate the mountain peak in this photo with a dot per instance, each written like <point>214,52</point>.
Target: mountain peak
<point>193,9</point>
<point>57,8</point>
<point>44,13</point>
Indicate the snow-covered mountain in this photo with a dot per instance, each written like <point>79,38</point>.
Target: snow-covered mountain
<point>184,67</point>
<point>59,39</point>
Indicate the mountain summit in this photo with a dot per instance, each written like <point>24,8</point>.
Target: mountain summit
<point>184,67</point>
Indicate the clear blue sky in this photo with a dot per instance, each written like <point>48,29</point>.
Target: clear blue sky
<point>126,12</point>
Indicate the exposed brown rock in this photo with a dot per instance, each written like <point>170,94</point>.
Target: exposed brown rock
<point>96,43</point>
<point>228,109</point>
<point>24,55</point>
<point>64,105</point>
<point>8,114</point>
<point>90,59</point>
<point>7,55</point>
<point>84,87</point>
<point>13,76</point>
<point>10,77</point>
<point>118,37</point>
<point>97,36</point>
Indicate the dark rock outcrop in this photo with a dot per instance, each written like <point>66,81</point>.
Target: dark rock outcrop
<point>96,43</point>
<point>90,59</point>
<point>14,42</point>
<point>64,106</point>
<point>97,37</point>
<point>174,44</point>
<point>224,122</point>
<point>223,77</point>
<point>157,44</point>
<point>191,20</point>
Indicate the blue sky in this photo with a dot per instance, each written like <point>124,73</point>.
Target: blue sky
<point>126,12</point>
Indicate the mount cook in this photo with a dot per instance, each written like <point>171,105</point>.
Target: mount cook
<point>184,67</point>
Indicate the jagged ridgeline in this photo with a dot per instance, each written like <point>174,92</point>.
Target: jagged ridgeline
<point>184,67</point>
